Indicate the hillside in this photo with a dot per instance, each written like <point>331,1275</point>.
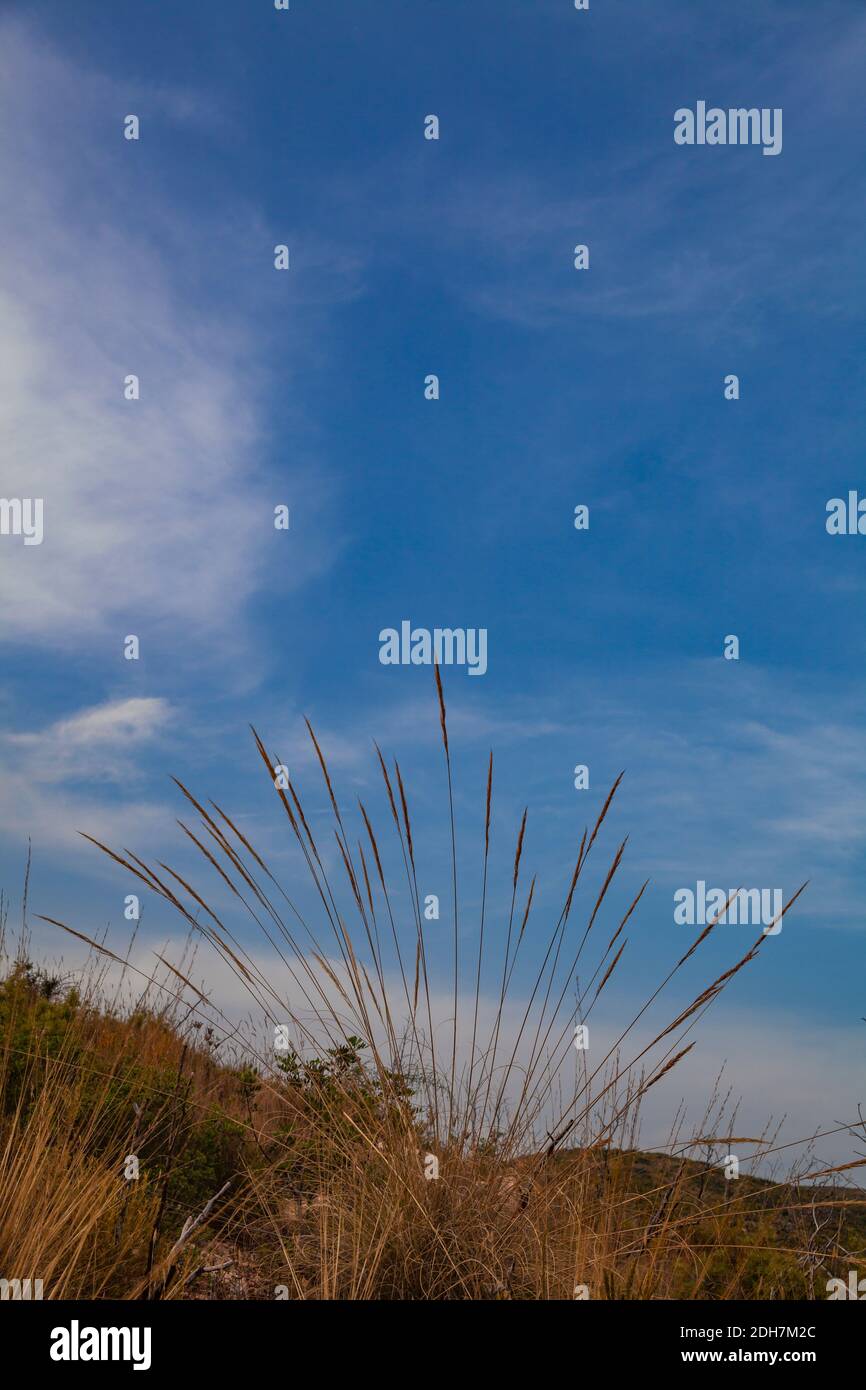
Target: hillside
<point>141,1159</point>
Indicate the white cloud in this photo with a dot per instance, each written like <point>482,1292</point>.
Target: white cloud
<point>41,777</point>
<point>87,744</point>
<point>117,721</point>
<point>157,515</point>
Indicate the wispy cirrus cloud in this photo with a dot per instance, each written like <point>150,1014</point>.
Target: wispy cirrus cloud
<point>158,513</point>
<point>82,773</point>
<point>685,237</point>
<point>89,743</point>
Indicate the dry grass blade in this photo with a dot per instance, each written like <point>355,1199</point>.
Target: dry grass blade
<point>358,1166</point>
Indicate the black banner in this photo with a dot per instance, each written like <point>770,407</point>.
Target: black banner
<point>220,1339</point>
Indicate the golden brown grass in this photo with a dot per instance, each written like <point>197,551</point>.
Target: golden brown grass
<point>541,1189</point>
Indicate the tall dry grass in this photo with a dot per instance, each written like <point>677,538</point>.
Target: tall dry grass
<point>397,1150</point>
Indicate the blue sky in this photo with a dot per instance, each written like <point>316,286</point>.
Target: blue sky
<point>558,387</point>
